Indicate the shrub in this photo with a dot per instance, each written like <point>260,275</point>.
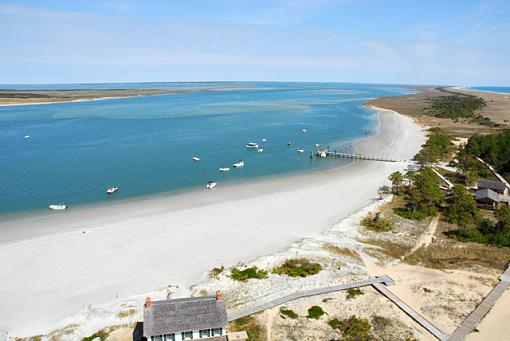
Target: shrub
<point>408,214</point>
<point>377,223</point>
<point>248,273</point>
<point>297,268</point>
<point>288,313</point>
<point>355,328</point>
<point>334,323</point>
<point>353,292</point>
<point>101,334</point>
<point>315,312</point>
<point>215,272</point>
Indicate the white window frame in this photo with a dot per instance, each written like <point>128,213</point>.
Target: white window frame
<point>184,337</point>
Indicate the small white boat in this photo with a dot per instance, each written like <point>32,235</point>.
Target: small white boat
<point>289,143</point>
<point>238,164</point>
<point>211,184</point>
<point>260,150</point>
<point>224,169</point>
<point>58,207</point>
<point>26,137</point>
<point>196,158</point>
<point>264,140</point>
<point>111,190</point>
<point>252,145</point>
<point>300,150</point>
<point>317,145</point>
<point>303,130</point>
<point>323,154</point>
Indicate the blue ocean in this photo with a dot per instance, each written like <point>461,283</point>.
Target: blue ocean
<point>145,145</point>
<point>500,89</point>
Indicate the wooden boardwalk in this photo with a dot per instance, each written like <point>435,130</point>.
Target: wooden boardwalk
<point>307,293</point>
<point>411,312</point>
<point>357,157</point>
<point>483,308</point>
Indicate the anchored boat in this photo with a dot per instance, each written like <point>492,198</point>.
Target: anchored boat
<point>238,164</point>
<point>300,150</point>
<point>252,145</point>
<point>58,207</point>
<point>224,169</point>
<point>111,190</point>
<point>211,184</point>
<point>196,158</point>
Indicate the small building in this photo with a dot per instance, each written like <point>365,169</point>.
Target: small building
<point>490,199</point>
<point>193,318</point>
<point>496,186</point>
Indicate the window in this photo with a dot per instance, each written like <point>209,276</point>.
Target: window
<point>217,331</point>
<point>205,333</point>
<point>187,335</point>
<point>169,337</point>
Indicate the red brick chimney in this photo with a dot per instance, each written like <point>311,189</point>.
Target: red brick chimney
<point>218,295</point>
<point>148,303</point>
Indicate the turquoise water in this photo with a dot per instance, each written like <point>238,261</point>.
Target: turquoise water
<point>501,89</point>
<point>144,145</point>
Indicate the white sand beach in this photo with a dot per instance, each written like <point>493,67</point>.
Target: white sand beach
<point>54,266</point>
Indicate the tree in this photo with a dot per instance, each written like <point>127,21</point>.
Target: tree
<point>503,216</point>
<point>396,179</point>
<point>462,209</point>
<point>425,196</point>
<point>382,191</point>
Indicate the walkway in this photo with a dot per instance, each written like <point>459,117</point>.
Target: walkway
<point>483,308</point>
<point>502,179</point>
<point>376,282</point>
<point>307,293</point>
<point>411,312</point>
<point>448,182</point>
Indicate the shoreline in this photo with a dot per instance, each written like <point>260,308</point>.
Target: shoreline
<point>154,245</point>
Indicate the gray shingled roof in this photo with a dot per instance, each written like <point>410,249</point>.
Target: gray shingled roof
<point>487,195</point>
<point>494,185</point>
<point>184,314</point>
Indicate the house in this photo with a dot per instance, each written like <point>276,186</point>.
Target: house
<point>489,198</point>
<point>193,318</point>
<point>496,186</point>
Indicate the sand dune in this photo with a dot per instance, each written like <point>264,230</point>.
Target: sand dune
<point>55,265</point>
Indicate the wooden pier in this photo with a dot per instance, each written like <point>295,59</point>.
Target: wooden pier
<point>336,155</point>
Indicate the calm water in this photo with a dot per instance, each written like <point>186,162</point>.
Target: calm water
<point>501,89</point>
<point>144,145</point>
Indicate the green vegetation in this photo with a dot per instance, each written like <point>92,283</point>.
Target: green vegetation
<point>353,328</point>
<point>472,169</point>
<point>101,334</point>
<point>353,292</point>
<point>215,272</point>
<point>493,149</point>
<point>423,197</point>
<point>315,312</point>
<point>413,215</point>
<point>288,313</point>
<point>397,179</point>
<point>455,106</point>
<point>437,147</point>
<point>22,95</point>
<point>297,268</point>
<point>485,231</point>
<point>247,274</point>
<point>462,209</point>
<point>377,224</point>
<point>248,323</point>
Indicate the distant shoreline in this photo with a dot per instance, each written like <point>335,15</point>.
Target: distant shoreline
<point>40,97</point>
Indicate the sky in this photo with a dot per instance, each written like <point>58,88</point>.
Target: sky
<point>453,42</point>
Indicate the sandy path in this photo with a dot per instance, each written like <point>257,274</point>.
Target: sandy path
<point>54,266</point>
